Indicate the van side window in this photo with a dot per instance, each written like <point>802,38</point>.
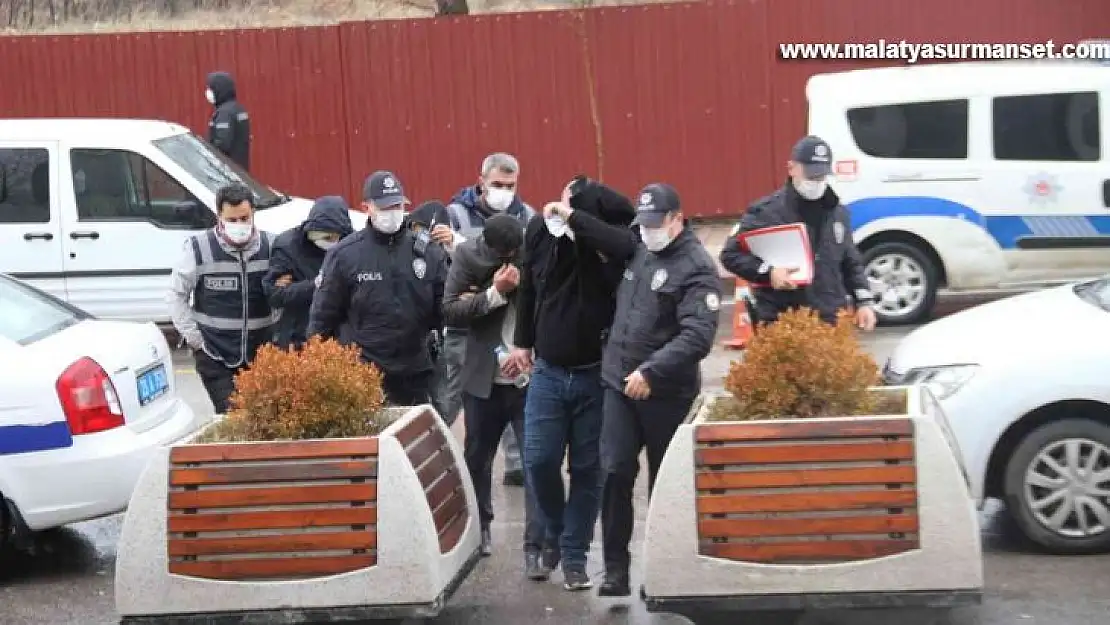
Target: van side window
<point>119,185</point>
<point>1047,127</point>
<point>912,130</point>
<point>24,186</point>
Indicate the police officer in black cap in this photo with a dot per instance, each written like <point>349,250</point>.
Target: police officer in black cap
<point>387,289</point>
<point>665,323</point>
<point>839,279</point>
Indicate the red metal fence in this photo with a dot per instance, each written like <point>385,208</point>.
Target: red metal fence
<point>692,93</point>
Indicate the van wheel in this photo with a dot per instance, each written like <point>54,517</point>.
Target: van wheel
<point>1057,487</point>
<point>904,280</point>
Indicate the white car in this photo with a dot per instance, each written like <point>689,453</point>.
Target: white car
<point>1025,382</point>
<point>83,403</point>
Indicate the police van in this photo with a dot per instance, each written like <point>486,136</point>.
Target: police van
<point>969,176</point>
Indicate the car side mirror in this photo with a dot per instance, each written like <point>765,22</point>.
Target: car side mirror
<point>192,213</point>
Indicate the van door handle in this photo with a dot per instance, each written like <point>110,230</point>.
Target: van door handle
<point>84,235</point>
<point>45,236</point>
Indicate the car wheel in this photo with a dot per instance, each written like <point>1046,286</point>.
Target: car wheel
<point>904,279</point>
<point>1057,487</point>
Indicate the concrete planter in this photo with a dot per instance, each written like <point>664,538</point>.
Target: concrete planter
<point>298,531</point>
<point>805,513</point>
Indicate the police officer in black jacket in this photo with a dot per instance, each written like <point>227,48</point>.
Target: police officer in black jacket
<point>666,318</point>
<point>229,129</point>
<point>806,198</point>
<point>388,290</point>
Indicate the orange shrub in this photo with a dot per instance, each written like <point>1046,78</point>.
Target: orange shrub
<point>801,366</point>
<point>320,391</point>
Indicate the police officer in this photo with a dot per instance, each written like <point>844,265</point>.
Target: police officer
<point>665,323</point>
<point>387,290</point>
<point>229,128</point>
<point>806,198</point>
<point>221,271</point>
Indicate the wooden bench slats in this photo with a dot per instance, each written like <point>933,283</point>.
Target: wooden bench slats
<point>807,501</point>
<point>278,543</point>
<point>262,568</point>
<point>452,533</point>
<point>281,519</point>
<point>408,434</point>
<point>291,450</point>
<point>453,506</point>
<point>437,466</point>
<point>275,496</point>
<point>736,432</point>
<point>429,446</point>
<point>848,476</point>
<point>443,489</point>
<point>819,526</point>
<point>822,550</point>
<point>793,453</point>
<point>274,473</point>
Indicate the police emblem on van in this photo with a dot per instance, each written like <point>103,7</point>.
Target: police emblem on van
<point>419,267</point>
<point>659,279</point>
<point>221,283</point>
<point>1042,188</point>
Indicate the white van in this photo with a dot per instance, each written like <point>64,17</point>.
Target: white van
<point>96,211</point>
<point>970,176</point>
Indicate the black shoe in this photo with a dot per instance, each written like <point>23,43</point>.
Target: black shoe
<point>575,578</point>
<point>513,478</point>
<point>615,585</point>
<point>551,558</point>
<point>487,543</point>
<point>534,568</point>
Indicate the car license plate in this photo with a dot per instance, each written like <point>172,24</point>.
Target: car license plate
<point>153,383</point>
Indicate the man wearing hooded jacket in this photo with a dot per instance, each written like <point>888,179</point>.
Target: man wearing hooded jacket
<point>298,254</point>
<point>229,129</point>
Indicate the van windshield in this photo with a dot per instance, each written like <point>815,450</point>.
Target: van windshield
<point>214,170</point>
<point>28,315</point>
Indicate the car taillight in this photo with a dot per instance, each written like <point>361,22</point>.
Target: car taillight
<point>89,398</point>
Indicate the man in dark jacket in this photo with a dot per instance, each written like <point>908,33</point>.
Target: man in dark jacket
<point>565,307</point>
<point>385,292</point>
<point>806,198</point>
<point>665,322</point>
<point>230,127</point>
<point>297,257</point>
<point>495,194</point>
<point>480,296</point>
<point>217,302</point>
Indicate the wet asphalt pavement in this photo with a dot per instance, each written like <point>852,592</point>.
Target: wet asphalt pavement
<point>67,578</point>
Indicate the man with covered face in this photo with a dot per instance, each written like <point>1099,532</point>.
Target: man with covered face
<point>229,128</point>
<point>838,278</point>
<point>565,306</point>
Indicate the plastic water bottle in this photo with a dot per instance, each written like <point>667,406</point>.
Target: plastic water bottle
<point>522,379</point>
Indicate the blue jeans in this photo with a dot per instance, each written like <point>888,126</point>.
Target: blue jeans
<point>564,410</point>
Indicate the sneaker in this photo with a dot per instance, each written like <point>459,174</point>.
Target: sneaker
<point>487,543</point>
<point>513,478</point>
<point>615,585</point>
<point>575,579</point>
<point>534,568</point>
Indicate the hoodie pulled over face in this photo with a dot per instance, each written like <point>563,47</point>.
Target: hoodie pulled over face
<point>605,203</point>
<point>222,87</point>
<point>328,216</point>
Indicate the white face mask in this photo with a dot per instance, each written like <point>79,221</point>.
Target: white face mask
<point>238,233</point>
<point>811,189</point>
<point>556,226</point>
<point>325,244</point>
<point>499,199</point>
<point>655,239</point>
<point>208,95</point>
<point>388,221</point>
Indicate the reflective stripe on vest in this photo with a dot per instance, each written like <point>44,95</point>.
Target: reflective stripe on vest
<point>229,305</point>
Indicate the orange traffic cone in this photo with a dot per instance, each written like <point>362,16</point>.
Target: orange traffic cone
<point>741,317</point>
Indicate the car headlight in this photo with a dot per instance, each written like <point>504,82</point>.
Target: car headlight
<point>944,381</point>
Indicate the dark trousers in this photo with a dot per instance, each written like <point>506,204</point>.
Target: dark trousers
<point>486,421</point>
<point>562,416</point>
<point>410,389</point>
<point>218,380</point>
<point>630,426</point>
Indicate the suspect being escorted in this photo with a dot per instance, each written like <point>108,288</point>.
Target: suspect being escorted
<point>386,291</point>
<point>839,280</point>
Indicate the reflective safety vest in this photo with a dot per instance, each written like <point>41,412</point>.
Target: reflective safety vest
<point>229,305</point>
